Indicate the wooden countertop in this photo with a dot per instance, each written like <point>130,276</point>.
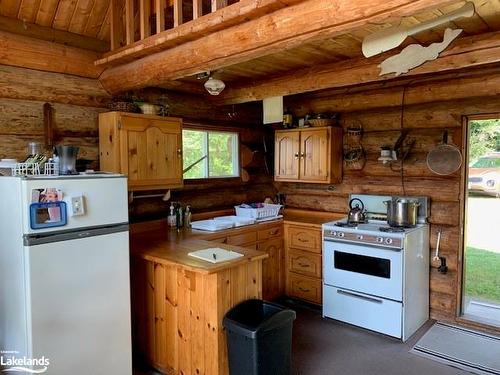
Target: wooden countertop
<point>156,242</point>
<point>310,218</point>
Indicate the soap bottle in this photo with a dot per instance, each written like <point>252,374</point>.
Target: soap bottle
<point>171,219</point>
<point>187,217</point>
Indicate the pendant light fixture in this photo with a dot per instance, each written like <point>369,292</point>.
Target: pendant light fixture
<point>214,86</point>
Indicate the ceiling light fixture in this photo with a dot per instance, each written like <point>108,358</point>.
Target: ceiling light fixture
<point>214,86</point>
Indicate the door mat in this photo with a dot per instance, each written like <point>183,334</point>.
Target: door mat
<point>459,347</point>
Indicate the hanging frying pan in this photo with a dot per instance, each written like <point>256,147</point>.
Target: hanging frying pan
<point>444,159</point>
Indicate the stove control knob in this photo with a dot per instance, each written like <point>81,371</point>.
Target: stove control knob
<point>388,241</point>
<point>359,236</point>
<point>333,233</point>
<point>341,234</point>
<point>380,240</point>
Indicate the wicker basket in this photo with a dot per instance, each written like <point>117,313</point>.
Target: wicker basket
<point>316,122</point>
<point>269,210</point>
<point>123,107</point>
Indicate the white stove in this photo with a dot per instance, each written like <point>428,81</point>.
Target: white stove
<point>376,276</point>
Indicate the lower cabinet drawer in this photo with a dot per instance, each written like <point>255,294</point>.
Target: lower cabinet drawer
<point>304,263</point>
<point>304,287</point>
<point>241,239</point>
<point>378,314</point>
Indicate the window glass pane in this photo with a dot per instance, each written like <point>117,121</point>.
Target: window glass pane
<point>194,148</point>
<point>223,154</point>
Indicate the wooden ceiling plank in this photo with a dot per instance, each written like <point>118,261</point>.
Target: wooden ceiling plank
<point>10,8</point>
<point>145,18</point>
<point>52,35</point>
<point>234,14</point>
<point>81,16</point>
<point>28,10</point>
<point>283,29</point>
<point>463,53</point>
<point>64,14</point>
<point>104,32</point>
<point>46,12</point>
<point>97,18</point>
<point>22,51</point>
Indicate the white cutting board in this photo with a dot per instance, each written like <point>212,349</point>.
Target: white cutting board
<point>215,255</point>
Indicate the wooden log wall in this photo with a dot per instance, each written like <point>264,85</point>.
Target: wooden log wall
<point>426,115</point>
<point>76,103</point>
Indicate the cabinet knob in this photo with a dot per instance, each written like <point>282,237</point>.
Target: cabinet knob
<point>304,290</point>
<point>296,155</point>
<point>179,152</point>
<point>302,155</point>
<point>303,265</point>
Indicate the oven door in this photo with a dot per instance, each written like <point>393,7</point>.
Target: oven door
<point>367,269</point>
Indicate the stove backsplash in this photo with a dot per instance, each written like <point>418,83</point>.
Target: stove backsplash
<point>374,205</point>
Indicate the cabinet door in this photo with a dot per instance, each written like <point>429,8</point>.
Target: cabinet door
<point>315,155</point>
<point>151,152</point>
<point>286,148</point>
<point>272,269</point>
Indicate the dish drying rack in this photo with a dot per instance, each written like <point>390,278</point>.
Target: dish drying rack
<point>35,169</point>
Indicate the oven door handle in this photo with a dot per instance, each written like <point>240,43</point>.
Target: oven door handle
<point>355,295</point>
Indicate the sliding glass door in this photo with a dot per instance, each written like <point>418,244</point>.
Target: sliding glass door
<point>481,281</point>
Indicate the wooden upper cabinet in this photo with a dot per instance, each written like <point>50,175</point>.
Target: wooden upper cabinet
<point>287,147</point>
<point>315,155</point>
<point>148,149</point>
<point>309,155</point>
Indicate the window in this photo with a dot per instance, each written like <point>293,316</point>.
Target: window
<point>210,154</point>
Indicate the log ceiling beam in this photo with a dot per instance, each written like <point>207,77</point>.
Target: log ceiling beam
<point>281,30</point>
<point>25,52</point>
<point>49,34</point>
<point>464,53</point>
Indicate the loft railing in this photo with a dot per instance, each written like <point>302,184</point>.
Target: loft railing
<point>135,20</point>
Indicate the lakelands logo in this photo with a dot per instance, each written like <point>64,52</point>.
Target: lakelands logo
<point>10,363</point>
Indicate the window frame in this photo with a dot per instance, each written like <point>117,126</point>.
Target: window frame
<point>215,129</point>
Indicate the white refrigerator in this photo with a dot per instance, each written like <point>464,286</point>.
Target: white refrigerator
<point>64,275</point>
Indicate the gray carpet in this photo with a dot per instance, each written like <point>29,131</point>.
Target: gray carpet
<point>326,347</point>
<point>468,349</point>
<point>323,346</point>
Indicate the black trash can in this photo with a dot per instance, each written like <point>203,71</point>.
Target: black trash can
<point>259,338</point>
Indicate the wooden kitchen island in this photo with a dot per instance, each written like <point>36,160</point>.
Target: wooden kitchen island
<point>178,302</point>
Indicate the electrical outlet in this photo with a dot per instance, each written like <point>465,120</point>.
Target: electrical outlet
<point>77,206</point>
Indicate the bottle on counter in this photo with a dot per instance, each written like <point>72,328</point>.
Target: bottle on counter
<point>171,219</point>
<point>187,217</point>
<point>179,217</point>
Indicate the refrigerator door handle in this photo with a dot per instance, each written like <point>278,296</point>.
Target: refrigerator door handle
<point>58,236</point>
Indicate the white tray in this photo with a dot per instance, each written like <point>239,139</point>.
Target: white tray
<point>215,255</point>
<point>212,225</point>
<point>237,220</point>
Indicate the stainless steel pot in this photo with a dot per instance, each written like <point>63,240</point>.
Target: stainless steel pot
<point>402,212</point>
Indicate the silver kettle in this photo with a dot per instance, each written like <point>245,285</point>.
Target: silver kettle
<point>356,212</point>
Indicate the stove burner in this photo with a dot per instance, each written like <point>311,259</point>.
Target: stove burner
<point>344,224</point>
<point>392,229</point>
